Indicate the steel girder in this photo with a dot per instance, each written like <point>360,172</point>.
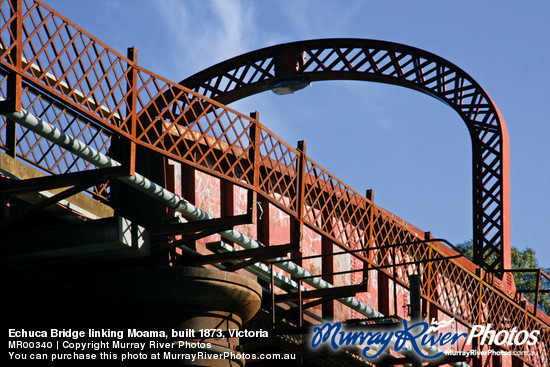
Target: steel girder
<point>85,88</point>
<point>302,62</point>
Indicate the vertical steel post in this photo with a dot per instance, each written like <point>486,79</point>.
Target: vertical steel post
<point>297,225</point>
<point>370,240</point>
<point>11,138</point>
<point>539,273</point>
<point>255,160</point>
<point>383,293</point>
<point>327,267</point>
<point>415,298</point>
<point>394,252</point>
<point>227,198</point>
<point>272,289</point>
<point>300,305</point>
<point>13,102</point>
<point>429,272</point>
<point>132,104</point>
<point>416,308</point>
<point>263,223</point>
<point>478,360</point>
<point>14,82</point>
<point>254,154</point>
<point>301,187</point>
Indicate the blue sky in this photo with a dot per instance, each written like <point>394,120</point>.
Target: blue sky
<point>411,149</point>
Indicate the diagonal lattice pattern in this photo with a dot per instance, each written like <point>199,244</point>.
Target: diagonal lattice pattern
<point>338,211</point>
<point>386,62</point>
<point>191,129</point>
<point>50,158</point>
<point>83,87</point>
<point>278,171</point>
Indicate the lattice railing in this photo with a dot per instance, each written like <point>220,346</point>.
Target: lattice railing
<point>46,156</point>
<point>83,87</point>
<point>370,60</point>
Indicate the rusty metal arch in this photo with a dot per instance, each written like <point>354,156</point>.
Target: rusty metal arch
<point>296,64</point>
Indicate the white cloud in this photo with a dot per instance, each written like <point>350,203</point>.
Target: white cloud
<point>207,32</point>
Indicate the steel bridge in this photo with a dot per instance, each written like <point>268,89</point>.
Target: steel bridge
<point>214,188</point>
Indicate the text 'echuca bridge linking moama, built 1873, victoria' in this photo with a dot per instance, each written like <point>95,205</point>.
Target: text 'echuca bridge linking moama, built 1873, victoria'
<point>71,104</point>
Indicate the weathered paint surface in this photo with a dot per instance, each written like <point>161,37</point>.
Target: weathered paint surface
<point>279,226</point>
<point>208,198</point>
<point>311,245</point>
<point>240,203</point>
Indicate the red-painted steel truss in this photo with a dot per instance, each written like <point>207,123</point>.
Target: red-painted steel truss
<point>56,71</point>
<point>299,63</point>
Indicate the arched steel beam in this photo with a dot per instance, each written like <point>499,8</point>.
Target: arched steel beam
<point>302,62</point>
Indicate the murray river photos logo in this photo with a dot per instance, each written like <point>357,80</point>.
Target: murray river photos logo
<point>417,337</point>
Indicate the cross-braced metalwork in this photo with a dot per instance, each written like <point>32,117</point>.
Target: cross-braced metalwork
<point>83,87</point>
<point>386,62</point>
